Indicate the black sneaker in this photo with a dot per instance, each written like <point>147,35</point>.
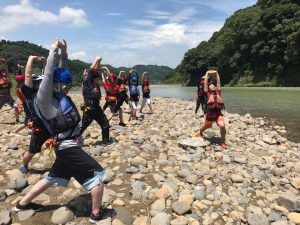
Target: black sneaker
<point>106,142</point>
<point>104,213</point>
<point>33,206</point>
<point>122,124</point>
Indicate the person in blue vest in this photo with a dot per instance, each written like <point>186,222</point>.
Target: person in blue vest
<point>61,117</point>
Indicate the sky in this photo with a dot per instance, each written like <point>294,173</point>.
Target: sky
<point>123,32</point>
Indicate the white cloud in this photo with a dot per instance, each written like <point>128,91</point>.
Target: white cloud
<point>113,14</point>
<point>142,22</point>
<point>153,43</point>
<point>14,16</point>
<point>77,17</point>
<point>81,55</point>
<point>158,14</point>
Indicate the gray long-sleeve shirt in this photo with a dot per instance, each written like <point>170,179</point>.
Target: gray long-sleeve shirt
<point>48,105</point>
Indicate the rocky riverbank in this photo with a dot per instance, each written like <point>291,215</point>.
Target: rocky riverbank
<point>159,172</point>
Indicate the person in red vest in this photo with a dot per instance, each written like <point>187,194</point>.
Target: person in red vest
<point>113,95</point>
<point>214,106</point>
<point>5,86</point>
<point>146,92</point>
<point>110,87</point>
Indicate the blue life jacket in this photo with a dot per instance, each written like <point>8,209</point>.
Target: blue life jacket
<point>134,90</point>
<point>66,119</point>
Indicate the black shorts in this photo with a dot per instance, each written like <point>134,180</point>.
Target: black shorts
<point>75,162</point>
<point>37,140</point>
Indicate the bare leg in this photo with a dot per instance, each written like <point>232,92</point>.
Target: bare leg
<point>20,128</point>
<point>17,113</point>
<point>97,194</point>
<point>27,158</point>
<point>121,115</point>
<point>223,133</point>
<point>150,107</point>
<point>37,189</point>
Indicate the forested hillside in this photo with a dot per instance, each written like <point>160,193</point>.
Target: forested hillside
<point>18,52</point>
<point>257,46</point>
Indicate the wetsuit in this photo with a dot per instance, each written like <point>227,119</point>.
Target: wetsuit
<point>94,111</point>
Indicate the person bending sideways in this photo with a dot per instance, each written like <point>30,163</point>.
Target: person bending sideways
<point>214,107</point>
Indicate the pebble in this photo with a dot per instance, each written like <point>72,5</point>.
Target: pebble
<point>5,218</point>
<point>236,178</point>
<point>160,219</point>
<point>25,215</point>
<point>62,216</point>
<point>181,207</point>
<point>294,217</point>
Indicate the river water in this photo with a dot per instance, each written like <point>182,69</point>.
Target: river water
<point>279,105</point>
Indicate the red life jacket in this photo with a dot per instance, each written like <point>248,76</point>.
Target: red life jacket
<point>111,92</point>
<point>146,89</point>
<point>214,100</point>
<point>21,95</point>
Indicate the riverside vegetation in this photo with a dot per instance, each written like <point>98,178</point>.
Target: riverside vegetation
<point>257,46</point>
<point>18,52</point>
<point>159,173</point>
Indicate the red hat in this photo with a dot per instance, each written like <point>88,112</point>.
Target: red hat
<point>20,78</point>
<point>146,81</point>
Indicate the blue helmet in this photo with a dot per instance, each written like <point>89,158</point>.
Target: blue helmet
<point>62,75</point>
<point>134,78</point>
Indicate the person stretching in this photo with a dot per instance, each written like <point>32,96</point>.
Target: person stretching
<point>61,117</point>
<point>214,106</point>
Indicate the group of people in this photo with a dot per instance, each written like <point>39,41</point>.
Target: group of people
<point>54,119</point>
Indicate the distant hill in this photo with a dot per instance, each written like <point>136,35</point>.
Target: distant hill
<point>257,46</point>
<point>18,52</point>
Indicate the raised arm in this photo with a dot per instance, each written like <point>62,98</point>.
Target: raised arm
<point>63,62</point>
<point>218,81</point>
<point>96,63</point>
<point>122,72</point>
<point>144,74</point>
<point>206,82</point>
<point>108,73</point>
<point>45,92</point>
<point>28,70</point>
<point>20,69</point>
